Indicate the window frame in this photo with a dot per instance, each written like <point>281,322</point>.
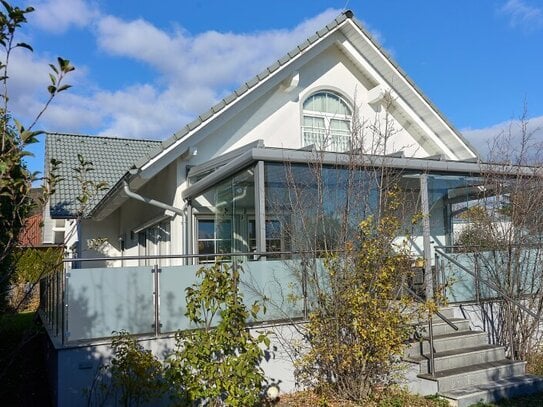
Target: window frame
<point>332,140</point>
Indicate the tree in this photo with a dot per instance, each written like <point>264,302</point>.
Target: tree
<point>359,326</point>
<point>350,223</point>
<point>504,240</point>
<point>15,179</point>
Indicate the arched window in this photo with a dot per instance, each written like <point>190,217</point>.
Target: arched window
<point>326,122</point>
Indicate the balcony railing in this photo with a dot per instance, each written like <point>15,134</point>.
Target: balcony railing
<point>475,274</point>
<point>83,304</point>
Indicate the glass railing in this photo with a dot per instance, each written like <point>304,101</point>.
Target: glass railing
<point>471,275</point>
<point>82,304</point>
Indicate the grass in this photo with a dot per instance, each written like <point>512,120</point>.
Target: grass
<point>22,361</point>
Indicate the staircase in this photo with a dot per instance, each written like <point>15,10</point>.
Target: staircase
<point>467,368</point>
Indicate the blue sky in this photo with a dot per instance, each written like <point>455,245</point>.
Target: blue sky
<point>145,69</point>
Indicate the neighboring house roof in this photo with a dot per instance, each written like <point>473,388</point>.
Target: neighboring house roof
<point>110,157</point>
<point>156,159</point>
<point>30,235</point>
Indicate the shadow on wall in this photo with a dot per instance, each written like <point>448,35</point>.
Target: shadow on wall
<point>103,300</point>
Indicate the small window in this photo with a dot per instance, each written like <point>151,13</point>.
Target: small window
<point>214,238</point>
<point>326,122</point>
<point>155,241</point>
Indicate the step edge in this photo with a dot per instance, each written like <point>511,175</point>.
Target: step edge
<point>513,363</point>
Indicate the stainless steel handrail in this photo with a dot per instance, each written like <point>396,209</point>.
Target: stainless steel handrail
<point>431,361</point>
<point>486,282</point>
<point>492,286</point>
<point>189,256</point>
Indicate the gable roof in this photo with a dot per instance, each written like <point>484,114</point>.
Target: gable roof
<point>110,157</point>
<point>262,76</point>
<point>377,60</point>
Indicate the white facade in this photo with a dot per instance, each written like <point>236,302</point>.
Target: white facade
<point>148,211</point>
<point>343,61</point>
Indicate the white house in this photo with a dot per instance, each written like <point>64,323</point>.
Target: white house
<point>223,185</point>
<point>307,98</point>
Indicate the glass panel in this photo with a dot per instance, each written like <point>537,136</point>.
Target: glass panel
<point>321,124</point>
<point>103,300</point>
<point>497,268</point>
<point>206,247</point>
<point>446,194</point>
<point>275,284</point>
<point>206,229</point>
<point>316,103</point>
<point>314,131</point>
<point>223,214</point>
<point>173,284</point>
<point>318,208</point>
<point>339,125</point>
<point>327,102</point>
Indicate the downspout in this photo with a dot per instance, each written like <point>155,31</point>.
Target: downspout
<point>150,201</point>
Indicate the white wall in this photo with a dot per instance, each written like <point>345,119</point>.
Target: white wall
<point>276,116</point>
<point>77,366</point>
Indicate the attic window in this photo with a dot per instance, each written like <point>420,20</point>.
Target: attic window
<point>326,122</point>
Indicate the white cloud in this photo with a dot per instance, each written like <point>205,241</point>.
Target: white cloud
<point>57,16</point>
<point>211,58</point>
<point>193,71</point>
<point>28,81</point>
<point>522,14</point>
<point>510,133</point>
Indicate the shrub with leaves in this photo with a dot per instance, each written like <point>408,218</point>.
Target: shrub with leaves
<point>136,375</point>
<point>220,361</point>
<point>15,179</point>
<point>358,328</point>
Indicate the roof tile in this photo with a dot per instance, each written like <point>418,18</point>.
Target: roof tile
<point>110,157</point>
<point>322,32</point>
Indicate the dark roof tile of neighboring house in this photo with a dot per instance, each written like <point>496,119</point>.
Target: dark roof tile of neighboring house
<point>111,158</point>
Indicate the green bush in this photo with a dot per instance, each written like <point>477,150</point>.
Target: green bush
<point>132,378</point>
<point>218,363</point>
<point>34,263</point>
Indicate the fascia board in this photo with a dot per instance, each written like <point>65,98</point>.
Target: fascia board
<point>377,77</point>
<point>403,77</point>
<point>407,163</point>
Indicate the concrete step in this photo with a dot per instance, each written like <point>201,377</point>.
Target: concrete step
<point>477,374</point>
<point>441,328</point>
<point>447,312</point>
<point>494,391</point>
<point>446,342</point>
<point>461,357</point>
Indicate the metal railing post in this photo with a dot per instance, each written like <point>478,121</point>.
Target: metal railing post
<point>64,305</point>
<point>156,298</point>
<point>431,343</point>
<point>304,286</point>
<point>477,278</point>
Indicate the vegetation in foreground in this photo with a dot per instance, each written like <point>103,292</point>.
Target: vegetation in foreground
<point>22,359</point>
<point>386,397</point>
